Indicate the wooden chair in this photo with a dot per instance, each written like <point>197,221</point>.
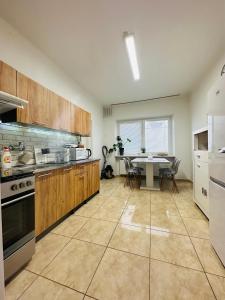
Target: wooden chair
<point>170,173</point>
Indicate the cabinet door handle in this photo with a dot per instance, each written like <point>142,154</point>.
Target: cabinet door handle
<point>198,166</point>
<point>43,175</point>
<point>67,169</point>
<point>198,156</point>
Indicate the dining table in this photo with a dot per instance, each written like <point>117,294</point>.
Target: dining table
<point>150,183</point>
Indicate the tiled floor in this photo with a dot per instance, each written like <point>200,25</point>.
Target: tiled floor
<point>126,245</point>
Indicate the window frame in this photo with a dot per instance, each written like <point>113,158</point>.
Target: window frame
<point>142,121</point>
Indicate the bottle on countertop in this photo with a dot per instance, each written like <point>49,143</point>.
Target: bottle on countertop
<point>6,158</point>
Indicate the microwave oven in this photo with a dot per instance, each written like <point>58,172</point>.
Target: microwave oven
<point>79,153</point>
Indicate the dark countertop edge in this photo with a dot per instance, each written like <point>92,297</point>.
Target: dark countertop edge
<point>143,156</point>
<point>69,164</point>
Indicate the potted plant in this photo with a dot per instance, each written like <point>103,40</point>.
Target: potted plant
<point>120,145</point>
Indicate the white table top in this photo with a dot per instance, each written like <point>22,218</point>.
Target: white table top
<point>151,160</point>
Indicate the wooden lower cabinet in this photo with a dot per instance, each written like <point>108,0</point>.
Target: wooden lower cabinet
<point>46,199</point>
<point>60,191</point>
<point>66,199</point>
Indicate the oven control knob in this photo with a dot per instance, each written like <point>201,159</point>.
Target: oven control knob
<point>22,185</point>
<point>29,183</point>
<point>14,187</point>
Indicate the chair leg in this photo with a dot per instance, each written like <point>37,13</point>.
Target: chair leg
<point>175,185</point>
<point>161,182</point>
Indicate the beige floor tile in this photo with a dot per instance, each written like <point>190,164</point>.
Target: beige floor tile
<point>208,257</point>
<point>100,200</point>
<point>170,282</point>
<point>197,228</point>
<point>218,285</point>
<point>133,239</point>
<point>75,265</point>
<point>87,210</point>
<point>161,197</point>
<point>44,289</point>
<point>114,203</point>
<point>174,248</point>
<point>70,226</point>
<point>164,208</point>
<point>121,193</point>
<point>46,250</point>
<point>139,203</point>
<point>96,231</point>
<point>108,214</point>
<point>121,276</point>
<point>168,223</point>
<point>19,284</point>
<point>138,216</point>
<point>192,212</point>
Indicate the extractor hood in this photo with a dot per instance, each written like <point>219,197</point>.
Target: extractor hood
<point>9,102</point>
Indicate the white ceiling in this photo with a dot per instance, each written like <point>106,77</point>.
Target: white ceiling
<point>177,41</point>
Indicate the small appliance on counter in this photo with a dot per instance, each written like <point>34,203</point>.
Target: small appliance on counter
<point>79,153</point>
<point>51,155</point>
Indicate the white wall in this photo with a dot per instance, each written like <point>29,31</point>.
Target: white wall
<point>199,97</point>
<point>18,52</point>
<point>178,108</point>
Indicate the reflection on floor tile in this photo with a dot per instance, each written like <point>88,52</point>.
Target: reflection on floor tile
<point>19,284</point>
<point>218,285</point>
<point>70,226</point>
<point>108,214</point>
<point>135,215</point>
<point>121,276</point>
<point>96,231</point>
<point>174,248</point>
<point>208,257</point>
<point>43,289</point>
<point>169,282</point>
<point>164,208</point>
<point>75,265</point>
<point>133,239</point>
<point>168,223</point>
<point>197,228</point>
<point>46,250</point>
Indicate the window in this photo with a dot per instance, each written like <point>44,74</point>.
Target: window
<point>155,135</point>
<point>132,131</point>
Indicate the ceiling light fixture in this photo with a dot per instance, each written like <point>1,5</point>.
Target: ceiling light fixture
<point>131,50</point>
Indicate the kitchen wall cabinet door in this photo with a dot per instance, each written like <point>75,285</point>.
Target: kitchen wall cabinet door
<point>39,104</point>
<point>23,115</point>
<point>72,118</point>
<point>7,79</point>
<point>78,118</point>
<point>54,113</point>
<point>64,111</point>
<point>46,200</point>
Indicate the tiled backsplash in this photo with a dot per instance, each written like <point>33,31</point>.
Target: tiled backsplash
<point>11,134</point>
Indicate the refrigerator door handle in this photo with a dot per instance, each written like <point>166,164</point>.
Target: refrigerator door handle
<point>218,182</point>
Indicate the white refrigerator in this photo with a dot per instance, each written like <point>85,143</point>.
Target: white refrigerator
<point>216,124</point>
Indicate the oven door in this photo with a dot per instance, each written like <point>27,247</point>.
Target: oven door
<point>18,221</point>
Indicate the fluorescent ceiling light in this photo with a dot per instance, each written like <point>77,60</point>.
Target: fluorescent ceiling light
<point>131,50</point>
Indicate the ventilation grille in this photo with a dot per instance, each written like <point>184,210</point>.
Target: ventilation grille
<point>107,111</point>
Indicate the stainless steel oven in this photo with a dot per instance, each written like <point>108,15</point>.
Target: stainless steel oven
<point>18,222</point>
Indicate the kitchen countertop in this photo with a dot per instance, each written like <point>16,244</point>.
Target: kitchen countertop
<point>35,169</point>
<point>48,167</point>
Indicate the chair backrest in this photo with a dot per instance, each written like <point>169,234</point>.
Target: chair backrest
<point>175,165</point>
<point>126,162</point>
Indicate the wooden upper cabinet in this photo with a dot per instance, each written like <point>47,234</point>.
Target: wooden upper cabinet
<point>44,108</point>
<point>23,115</point>
<point>7,79</point>
<point>64,110</point>
<point>39,103</point>
<point>54,112</point>
<point>78,117</point>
